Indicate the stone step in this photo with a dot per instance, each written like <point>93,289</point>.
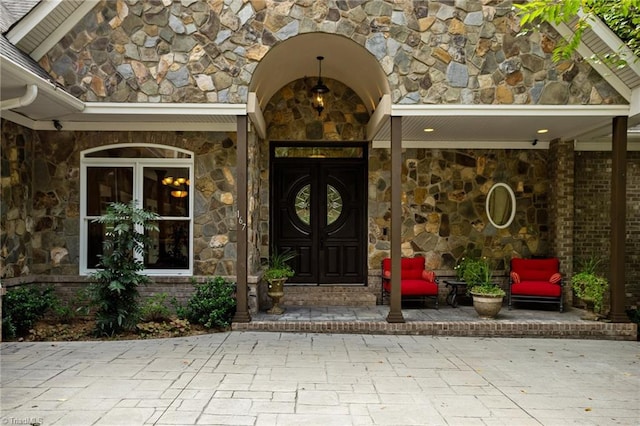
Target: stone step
<point>328,296</point>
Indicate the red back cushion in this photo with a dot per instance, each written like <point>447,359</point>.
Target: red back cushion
<point>411,267</point>
<point>535,269</point>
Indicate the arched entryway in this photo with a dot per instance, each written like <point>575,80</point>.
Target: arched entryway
<point>317,168</point>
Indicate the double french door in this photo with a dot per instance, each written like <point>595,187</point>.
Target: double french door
<point>318,210</point>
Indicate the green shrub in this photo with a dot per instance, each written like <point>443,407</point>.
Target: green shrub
<point>66,311</point>
<point>213,304</point>
<point>155,309</point>
<point>22,307</point>
<point>115,291</point>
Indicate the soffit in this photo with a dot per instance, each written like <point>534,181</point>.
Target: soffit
<point>510,126</point>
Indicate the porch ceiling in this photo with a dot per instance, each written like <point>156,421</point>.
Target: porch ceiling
<point>509,126</point>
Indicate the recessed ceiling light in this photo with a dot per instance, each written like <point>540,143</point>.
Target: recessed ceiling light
<point>428,129</point>
<point>541,131</point>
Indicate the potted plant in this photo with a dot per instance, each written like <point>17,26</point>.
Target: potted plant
<point>487,295</point>
<point>590,287</point>
<point>278,271</point>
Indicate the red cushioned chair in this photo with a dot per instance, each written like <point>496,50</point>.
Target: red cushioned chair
<point>536,280</point>
<point>415,281</point>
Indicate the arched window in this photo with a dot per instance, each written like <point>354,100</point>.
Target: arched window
<point>159,179</point>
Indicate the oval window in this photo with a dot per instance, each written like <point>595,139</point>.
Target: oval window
<point>501,205</point>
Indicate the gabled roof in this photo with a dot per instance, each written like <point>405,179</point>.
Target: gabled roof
<point>11,11</point>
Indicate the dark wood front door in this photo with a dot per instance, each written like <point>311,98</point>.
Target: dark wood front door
<point>318,209</point>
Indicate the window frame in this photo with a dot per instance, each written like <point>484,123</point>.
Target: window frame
<point>138,165</point>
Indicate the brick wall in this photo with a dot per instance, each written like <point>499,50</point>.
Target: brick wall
<point>592,215</point>
<point>561,207</point>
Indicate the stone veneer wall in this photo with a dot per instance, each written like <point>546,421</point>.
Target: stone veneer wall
<point>16,221</point>
<point>40,207</point>
<point>432,52</point>
<point>592,215</point>
<point>443,201</point>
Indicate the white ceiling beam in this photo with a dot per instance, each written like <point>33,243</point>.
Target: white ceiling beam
<point>456,110</point>
<point>139,126</point>
<point>188,109</point>
<point>442,144</point>
<point>256,116</point>
<point>379,117</point>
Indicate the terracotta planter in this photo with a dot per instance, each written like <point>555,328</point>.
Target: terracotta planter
<point>487,306</point>
<point>276,291</point>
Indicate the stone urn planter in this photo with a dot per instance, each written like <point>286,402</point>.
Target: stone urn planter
<point>277,272</point>
<point>487,305</point>
<point>487,295</point>
<point>276,291</point>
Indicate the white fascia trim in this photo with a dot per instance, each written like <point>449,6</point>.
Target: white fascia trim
<point>44,86</point>
<point>604,71</point>
<point>464,144</point>
<point>21,120</point>
<point>457,110</point>
<point>379,116</point>
<point>634,107</point>
<point>140,126</point>
<point>57,35</point>
<point>256,116</point>
<point>613,41</point>
<point>31,20</point>
<point>103,108</point>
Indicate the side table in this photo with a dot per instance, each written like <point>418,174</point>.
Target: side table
<point>453,292</point>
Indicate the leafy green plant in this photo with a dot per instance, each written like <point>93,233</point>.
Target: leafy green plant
<point>278,266</point>
<point>213,304</point>
<point>65,311</point>
<point>154,308</point>
<point>23,306</point>
<point>588,285</point>
<point>621,16</point>
<point>115,291</point>
<point>478,276</point>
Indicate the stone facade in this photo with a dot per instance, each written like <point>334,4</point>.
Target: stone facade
<point>40,210</point>
<point>443,203</point>
<point>432,52</point>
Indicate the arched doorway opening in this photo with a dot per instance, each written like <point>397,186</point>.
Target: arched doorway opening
<point>317,198</point>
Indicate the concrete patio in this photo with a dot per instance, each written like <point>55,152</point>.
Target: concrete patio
<point>282,379</point>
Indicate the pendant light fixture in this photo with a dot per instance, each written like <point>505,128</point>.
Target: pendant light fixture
<point>319,90</point>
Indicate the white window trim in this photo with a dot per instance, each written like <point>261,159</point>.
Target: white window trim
<point>137,164</point>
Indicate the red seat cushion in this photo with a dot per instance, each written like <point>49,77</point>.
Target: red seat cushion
<point>415,288</point>
<point>411,268</point>
<point>535,269</point>
<point>536,288</point>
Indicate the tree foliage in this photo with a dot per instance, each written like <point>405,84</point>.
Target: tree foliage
<point>622,16</point>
